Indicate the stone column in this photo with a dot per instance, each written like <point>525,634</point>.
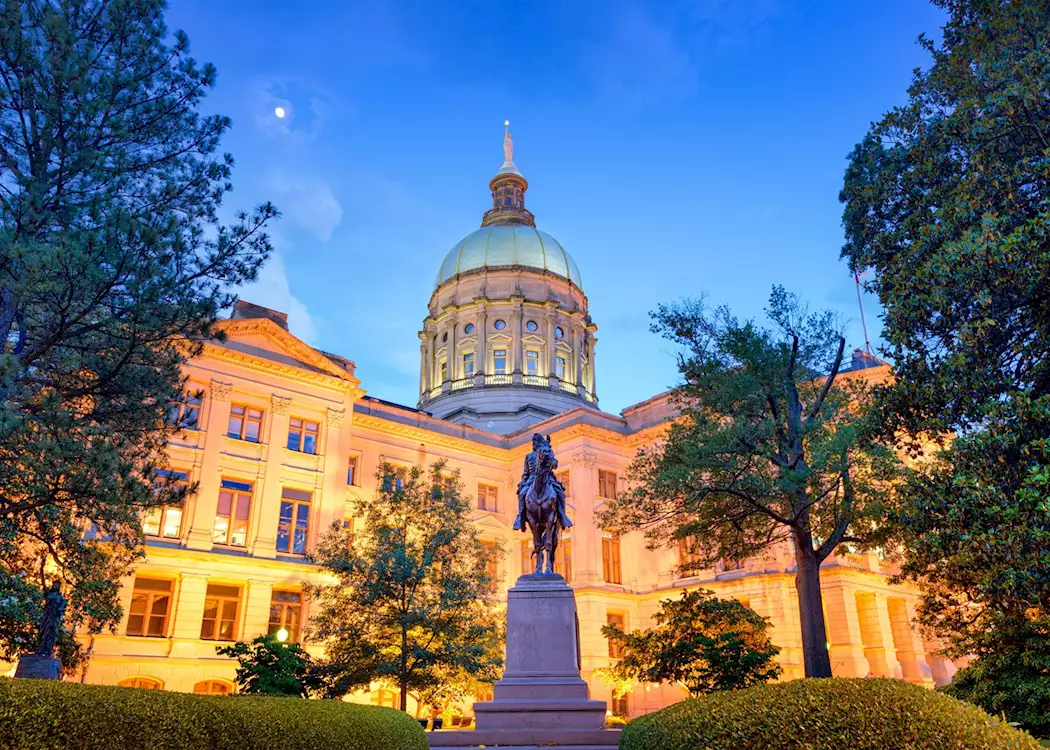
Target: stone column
<point>329,504</point>
<point>266,500</point>
<point>586,544</point>
<point>911,654</point>
<point>255,606</point>
<point>877,633</point>
<point>453,355</point>
<point>424,375</point>
<point>431,382</point>
<point>594,370</point>
<point>189,611</point>
<point>549,348</point>
<point>480,361</point>
<point>207,499</point>
<point>844,633</point>
<point>515,332</point>
<point>577,350</point>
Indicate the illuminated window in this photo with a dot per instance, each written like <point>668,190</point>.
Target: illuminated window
<point>166,520</point>
<point>221,605</point>
<point>607,484</point>
<point>559,367</point>
<point>487,497</point>
<point>150,607</point>
<point>492,553</point>
<point>286,611</point>
<point>468,365</point>
<point>348,527</point>
<point>213,687</point>
<point>351,471</point>
<point>145,683</point>
<point>619,706</point>
<point>618,620</point>
<point>245,423</point>
<point>186,414</point>
<point>386,698</point>
<point>499,361</point>
<point>294,522</point>
<point>231,515</point>
<point>444,371</point>
<point>688,554</point>
<point>562,558</point>
<point>302,435</point>
<point>531,325</point>
<point>532,363</point>
<point>563,477</point>
<point>611,560</point>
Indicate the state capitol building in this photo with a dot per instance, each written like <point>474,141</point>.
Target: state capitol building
<point>286,438</point>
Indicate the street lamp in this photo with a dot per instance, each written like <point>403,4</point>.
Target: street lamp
<point>282,635</point>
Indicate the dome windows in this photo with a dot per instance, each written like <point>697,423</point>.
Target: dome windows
<point>531,325</point>
<point>500,324</point>
<point>469,328</point>
<point>559,333</point>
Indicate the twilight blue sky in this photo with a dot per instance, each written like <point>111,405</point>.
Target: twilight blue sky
<point>674,148</point>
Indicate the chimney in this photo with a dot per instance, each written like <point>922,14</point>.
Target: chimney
<point>244,310</point>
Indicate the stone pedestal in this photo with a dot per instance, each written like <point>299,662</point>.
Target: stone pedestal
<point>541,700</point>
<point>39,667</point>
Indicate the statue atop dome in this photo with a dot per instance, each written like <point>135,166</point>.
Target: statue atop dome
<point>508,144</point>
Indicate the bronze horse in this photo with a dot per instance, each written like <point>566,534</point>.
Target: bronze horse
<point>541,511</point>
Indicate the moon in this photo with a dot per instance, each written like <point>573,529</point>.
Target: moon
<point>279,111</point>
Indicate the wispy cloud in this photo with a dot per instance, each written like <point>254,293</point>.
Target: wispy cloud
<point>272,289</point>
<point>307,203</point>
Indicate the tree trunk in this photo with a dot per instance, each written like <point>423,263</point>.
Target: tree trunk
<point>404,669</point>
<point>815,655</point>
<point>404,697</point>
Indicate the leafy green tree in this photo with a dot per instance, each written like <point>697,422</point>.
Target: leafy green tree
<point>411,603</point>
<point>769,449</point>
<point>947,200</point>
<point>113,266</point>
<point>701,642</point>
<point>268,667</point>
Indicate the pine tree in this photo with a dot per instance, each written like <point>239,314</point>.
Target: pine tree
<point>113,267</point>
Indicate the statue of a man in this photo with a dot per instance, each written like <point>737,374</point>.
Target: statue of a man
<point>50,622</point>
<point>508,145</point>
<point>538,443</point>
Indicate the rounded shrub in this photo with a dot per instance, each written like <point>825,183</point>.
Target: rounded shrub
<point>831,714</point>
<point>39,714</point>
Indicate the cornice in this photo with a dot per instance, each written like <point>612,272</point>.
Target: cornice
<point>431,437</point>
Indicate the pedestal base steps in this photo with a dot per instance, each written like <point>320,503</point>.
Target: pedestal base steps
<point>39,667</point>
<point>541,700</point>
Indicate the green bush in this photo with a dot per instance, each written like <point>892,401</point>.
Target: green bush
<point>1015,683</point>
<point>835,714</point>
<point>40,714</point>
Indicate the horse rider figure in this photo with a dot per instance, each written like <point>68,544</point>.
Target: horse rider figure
<point>539,443</point>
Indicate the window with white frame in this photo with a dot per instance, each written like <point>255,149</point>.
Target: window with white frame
<point>499,361</point>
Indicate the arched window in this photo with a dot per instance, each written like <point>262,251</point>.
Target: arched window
<point>386,698</point>
<point>146,683</point>
<point>213,687</point>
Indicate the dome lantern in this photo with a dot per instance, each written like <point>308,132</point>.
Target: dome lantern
<point>508,190</point>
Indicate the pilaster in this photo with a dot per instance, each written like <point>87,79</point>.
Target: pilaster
<point>911,654</point>
<point>189,611</point>
<point>330,505</point>
<point>266,499</point>
<point>877,634</point>
<point>255,619</point>
<point>844,633</point>
<point>586,558</point>
<point>549,344</point>
<point>207,499</point>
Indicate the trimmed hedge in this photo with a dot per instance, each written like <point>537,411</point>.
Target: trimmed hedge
<point>39,714</point>
<point>832,714</point>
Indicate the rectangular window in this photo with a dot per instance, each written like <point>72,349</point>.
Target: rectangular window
<point>245,423</point>
<point>468,365</point>
<point>351,471</point>
<point>619,706</point>
<point>186,413</point>
<point>294,521</point>
<point>444,371</point>
<point>231,516</point>
<point>499,361</point>
<point>286,611</point>
<point>492,564</point>
<point>562,558</point>
<point>688,555</point>
<point>348,527</point>
<point>302,435</point>
<point>563,477</point>
<point>607,484</point>
<point>612,618</point>
<point>487,497</point>
<point>532,363</point>
<point>559,367</point>
<point>221,605</point>
<point>150,607</point>
<point>166,520</point>
<point>611,560</point>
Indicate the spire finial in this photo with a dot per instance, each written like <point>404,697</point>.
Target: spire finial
<point>508,144</point>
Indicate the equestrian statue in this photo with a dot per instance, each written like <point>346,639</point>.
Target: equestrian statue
<point>541,503</point>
